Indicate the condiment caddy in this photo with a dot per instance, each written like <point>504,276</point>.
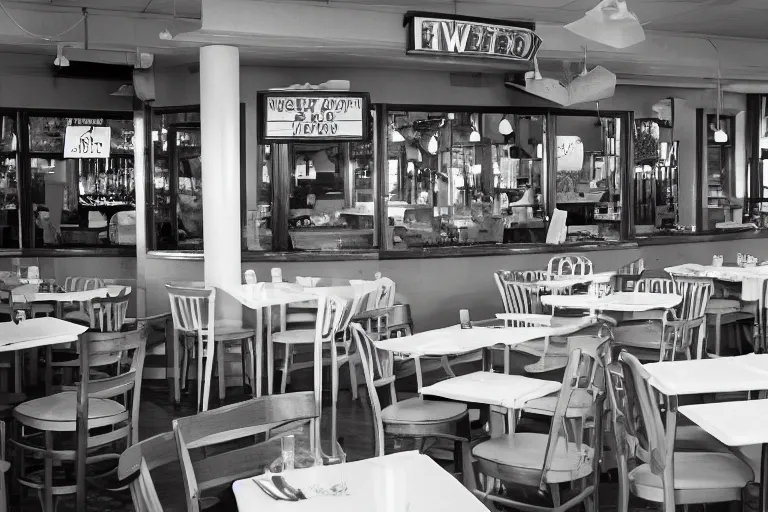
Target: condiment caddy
<point>746,260</point>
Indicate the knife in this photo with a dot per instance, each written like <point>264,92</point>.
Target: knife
<point>287,488</point>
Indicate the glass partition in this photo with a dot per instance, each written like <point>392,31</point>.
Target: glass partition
<point>588,167</point>
<point>9,185</point>
<point>723,207</point>
<point>464,178</point>
<point>81,202</point>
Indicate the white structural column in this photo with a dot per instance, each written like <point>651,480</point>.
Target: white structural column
<point>220,125</point>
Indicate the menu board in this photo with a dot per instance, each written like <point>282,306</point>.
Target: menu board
<point>321,116</point>
<point>87,142</point>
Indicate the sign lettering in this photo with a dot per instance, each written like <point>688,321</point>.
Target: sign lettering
<point>314,116</point>
<point>437,34</point>
<point>87,142</point>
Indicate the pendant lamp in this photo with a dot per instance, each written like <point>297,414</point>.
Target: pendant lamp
<point>432,146</point>
<point>609,23</point>
<point>396,135</point>
<point>720,136</point>
<point>475,135</point>
<point>505,127</point>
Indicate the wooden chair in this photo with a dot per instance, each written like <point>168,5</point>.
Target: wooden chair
<point>545,461</point>
<point>193,307</point>
<point>666,475</point>
<point>333,316</point>
<point>627,275</point>
<point>136,463</point>
<point>110,422</point>
<point>414,418</point>
<point>569,265</point>
<point>662,337</point>
<point>235,422</point>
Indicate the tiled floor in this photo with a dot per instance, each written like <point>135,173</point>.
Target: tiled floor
<point>354,426</point>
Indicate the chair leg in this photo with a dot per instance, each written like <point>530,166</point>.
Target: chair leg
<point>251,366</point>
<point>34,359</point>
<point>334,395</point>
<point>286,363</point>
<point>48,482</point>
<point>221,369</point>
<point>176,375</point>
<point>718,327</point>
<point>353,378</point>
<point>209,359</point>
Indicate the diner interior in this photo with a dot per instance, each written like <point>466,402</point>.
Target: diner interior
<point>520,268</point>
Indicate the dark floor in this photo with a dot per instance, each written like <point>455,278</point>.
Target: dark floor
<point>354,426</point>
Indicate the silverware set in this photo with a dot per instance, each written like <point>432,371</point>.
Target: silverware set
<point>278,489</point>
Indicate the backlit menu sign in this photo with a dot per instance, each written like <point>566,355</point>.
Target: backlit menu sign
<point>87,142</point>
<point>441,34</point>
<point>313,115</point>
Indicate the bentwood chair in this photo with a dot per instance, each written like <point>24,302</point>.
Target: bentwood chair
<point>544,462</point>
<point>627,275</point>
<point>237,422</point>
<point>46,424</point>
<point>193,307</point>
<point>665,476</point>
<point>138,461</point>
<point>414,418</point>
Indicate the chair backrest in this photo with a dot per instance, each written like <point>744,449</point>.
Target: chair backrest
<point>108,314</point>
<point>127,345</point>
<point>513,298</point>
<point>633,268</point>
<point>192,307</point>
<point>230,423</point>
<point>379,371</point>
<point>136,463</point>
<point>79,284</point>
<point>569,265</point>
<point>579,369</point>
<point>655,285</point>
<point>643,405</point>
<point>695,292</point>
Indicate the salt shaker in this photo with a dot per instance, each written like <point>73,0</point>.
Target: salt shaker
<point>277,275</point>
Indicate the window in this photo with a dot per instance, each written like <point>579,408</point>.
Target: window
<point>656,177</point>
<point>588,168</point>
<point>464,178</point>
<point>81,202</point>
<point>9,185</point>
<point>722,202</point>
<point>176,191</point>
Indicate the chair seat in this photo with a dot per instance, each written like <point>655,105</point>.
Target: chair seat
<point>694,471</point>
<point>579,406</point>
<point>557,347</point>
<point>418,410</point>
<point>232,332</point>
<point>301,317</point>
<point>640,335</point>
<point>294,336</point>
<point>527,451</point>
<point>58,412</point>
<point>722,306</point>
<point>693,438</point>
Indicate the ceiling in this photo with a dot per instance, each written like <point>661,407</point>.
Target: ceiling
<point>729,18</point>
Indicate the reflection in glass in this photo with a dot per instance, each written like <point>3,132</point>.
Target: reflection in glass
<point>9,185</point>
<point>588,176</point>
<point>331,196</point>
<point>655,177</point>
<point>723,204</point>
<point>456,179</point>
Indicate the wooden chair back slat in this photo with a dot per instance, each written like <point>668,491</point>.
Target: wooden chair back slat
<point>569,265</point>
<point>655,285</point>
<point>230,423</point>
<point>695,292</point>
<point>138,460</point>
<point>191,308</point>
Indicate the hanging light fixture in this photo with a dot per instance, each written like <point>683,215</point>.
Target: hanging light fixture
<point>396,136</point>
<point>475,135</point>
<point>505,127</point>
<point>433,145</point>
<point>720,136</point>
<point>610,23</point>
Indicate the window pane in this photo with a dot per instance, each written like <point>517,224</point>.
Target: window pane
<point>588,179</point>
<point>9,202</point>
<point>84,202</point>
<point>46,134</point>
<point>723,205</point>
<point>177,178</point>
<point>463,178</point>
<point>258,230</point>
<point>655,177</point>
<point>331,196</point>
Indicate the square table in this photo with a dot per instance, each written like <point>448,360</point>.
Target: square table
<point>400,482</point>
<point>737,424</point>
<point>624,302</point>
<point>29,293</point>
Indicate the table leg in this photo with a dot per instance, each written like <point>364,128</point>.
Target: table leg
<point>82,425</point>
<point>764,479</point>
<point>270,352</point>
<point>49,370</point>
<point>259,348</point>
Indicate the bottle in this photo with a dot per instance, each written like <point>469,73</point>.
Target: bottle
<point>466,323</point>
<point>288,444</point>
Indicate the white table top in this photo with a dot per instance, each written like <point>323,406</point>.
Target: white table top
<point>510,391</point>
<point>28,293</point>
<point>261,295</point>
<point>37,332</point>
<point>401,482</point>
<point>732,423</point>
<point>618,302</point>
<point>454,340</point>
<point>751,278</point>
<point>563,282</point>
<point>699,376</point>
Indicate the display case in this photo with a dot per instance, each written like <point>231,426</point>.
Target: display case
<point>655,177</point>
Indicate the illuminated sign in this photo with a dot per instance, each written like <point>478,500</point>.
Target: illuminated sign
<point>287,116</point>
<point>439,34</point>
<point>87,142</point>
